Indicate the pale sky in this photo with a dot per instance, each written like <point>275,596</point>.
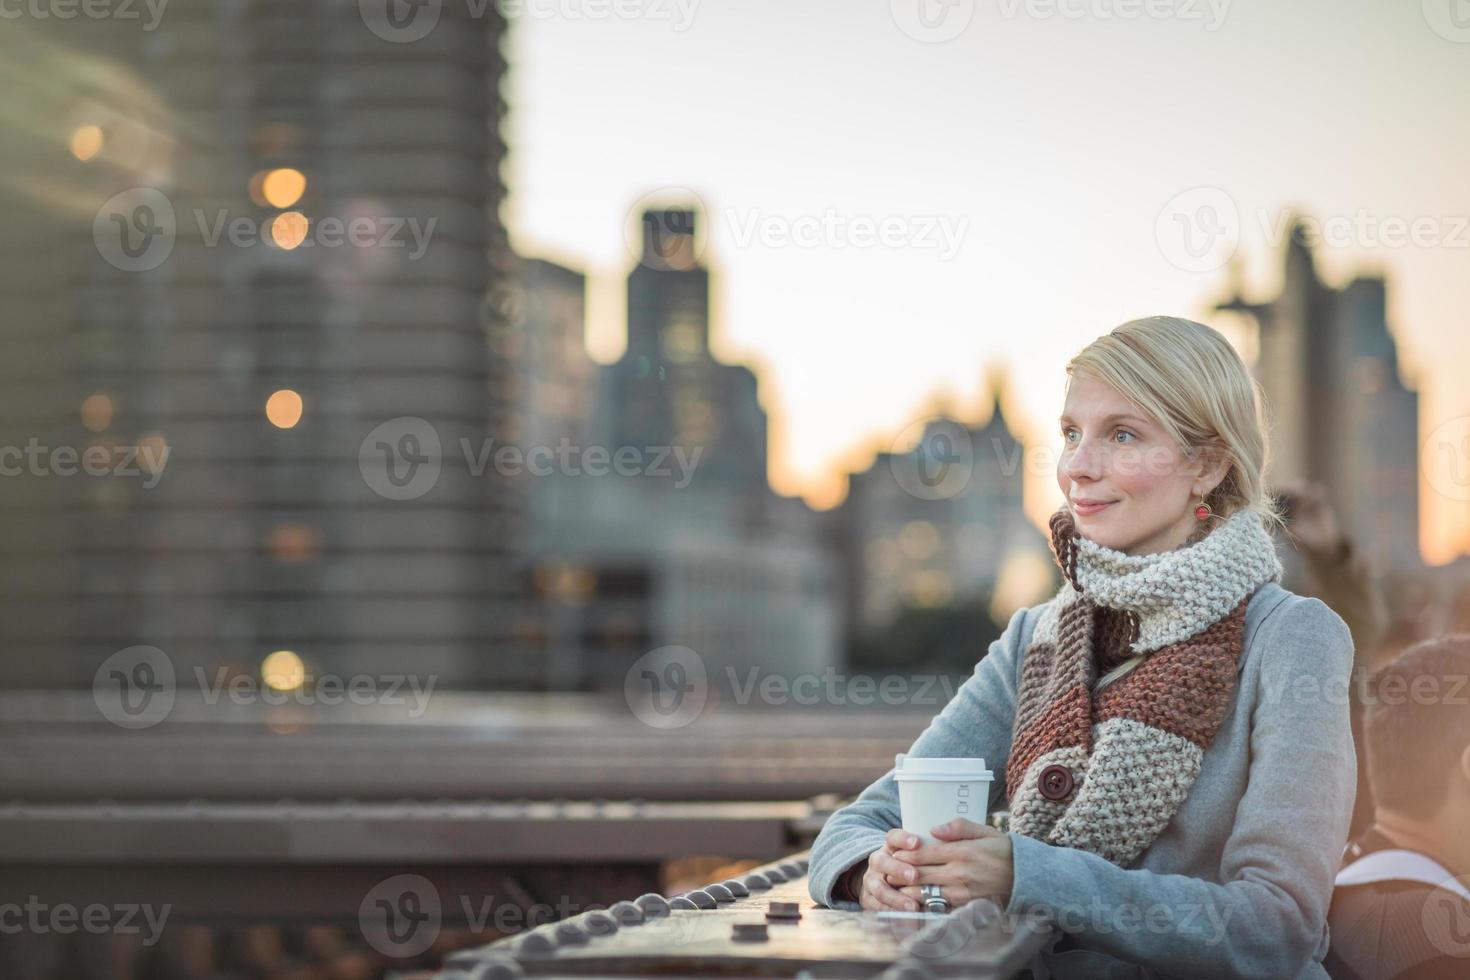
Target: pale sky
<point>1046,148</point>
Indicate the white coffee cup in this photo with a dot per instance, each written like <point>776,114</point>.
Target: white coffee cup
<point>935,791</point>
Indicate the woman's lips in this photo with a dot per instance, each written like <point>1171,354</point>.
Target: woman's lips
<point>1087,510</point>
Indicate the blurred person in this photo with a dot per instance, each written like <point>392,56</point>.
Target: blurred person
<point>1337,572</point>
<point>1178,799</point>
<point>1342,577</point>
<point>1401,908</point>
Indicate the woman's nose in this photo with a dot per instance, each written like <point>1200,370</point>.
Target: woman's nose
<point>1082,461</point>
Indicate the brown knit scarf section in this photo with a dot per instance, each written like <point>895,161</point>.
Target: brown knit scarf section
<point>1104,771</point>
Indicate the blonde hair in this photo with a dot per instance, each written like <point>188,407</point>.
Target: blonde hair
<point>1187,378</point>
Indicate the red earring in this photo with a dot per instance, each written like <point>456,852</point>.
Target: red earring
<point>1203,510</point>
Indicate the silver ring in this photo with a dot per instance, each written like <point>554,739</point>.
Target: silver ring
<point>934,900</point>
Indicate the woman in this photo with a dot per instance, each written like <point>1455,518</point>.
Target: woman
<point>1172,725</point>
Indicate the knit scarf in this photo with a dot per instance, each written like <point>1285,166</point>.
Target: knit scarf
<point>1104,770</point>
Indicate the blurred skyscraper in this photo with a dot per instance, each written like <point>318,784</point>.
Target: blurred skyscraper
<point>688,546</point>
<point>558,379</point>
<point>668,388</point>
<point>941,524</point>
<point>1342,413</point>
<point>307,247</point>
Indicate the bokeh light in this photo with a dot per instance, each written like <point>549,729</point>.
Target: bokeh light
<point>284,408</point>
<point>283,670</point>
<point>86,142</point>
<point>288,230</point>
<point>283,188</point>
<point>97,412</point>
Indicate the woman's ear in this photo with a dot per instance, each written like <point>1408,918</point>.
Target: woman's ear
<point>1212,463</point>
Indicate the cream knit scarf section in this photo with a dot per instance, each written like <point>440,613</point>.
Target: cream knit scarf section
<point>1104,770</point>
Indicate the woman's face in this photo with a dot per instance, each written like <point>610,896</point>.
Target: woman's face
<point>1111,452</point>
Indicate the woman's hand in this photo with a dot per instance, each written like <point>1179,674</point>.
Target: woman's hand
<point>969,861</point>
<point>878,887</point>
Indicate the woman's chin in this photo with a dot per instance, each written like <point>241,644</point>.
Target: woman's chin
<point>1104,532</point>
<point>1098,519</point>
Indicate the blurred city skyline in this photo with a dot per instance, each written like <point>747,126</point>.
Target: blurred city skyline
<point>427,422</point>
<point>797,319</point>
<point>994,260</point>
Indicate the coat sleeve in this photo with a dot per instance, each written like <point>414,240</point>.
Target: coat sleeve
<point>975,723</point>
<point>1266,917</point>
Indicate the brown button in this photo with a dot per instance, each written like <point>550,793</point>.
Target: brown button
<point>1055,782</point>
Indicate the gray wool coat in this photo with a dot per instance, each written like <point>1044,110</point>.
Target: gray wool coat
<point>1239,882</point>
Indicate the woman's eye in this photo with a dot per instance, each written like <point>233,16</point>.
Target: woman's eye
<point>1067,434</point>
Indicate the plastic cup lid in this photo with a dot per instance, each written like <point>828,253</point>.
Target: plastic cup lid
<point>942,768</point>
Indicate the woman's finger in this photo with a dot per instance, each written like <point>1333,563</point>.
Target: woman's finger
<point>893,870</point>
<point>917,895</point>
<point>928,854</point>
<point>955,892</point>
<point>885,896</point>
<point>899,839</point>
<point>961,829</point>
